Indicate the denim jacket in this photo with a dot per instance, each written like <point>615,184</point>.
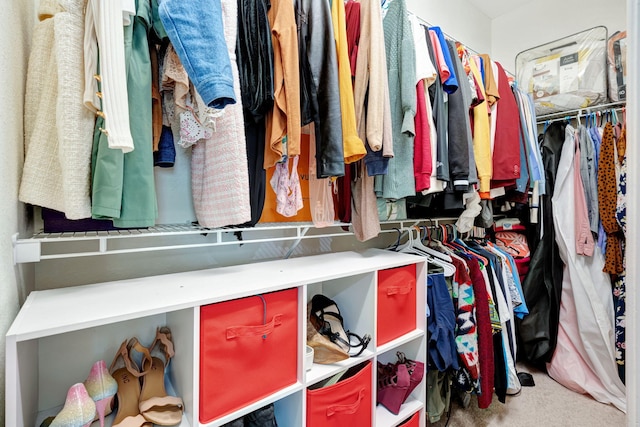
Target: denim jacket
<point>196,31</point>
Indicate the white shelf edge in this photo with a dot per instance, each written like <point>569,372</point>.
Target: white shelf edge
<point>28,250</point>
<point>408,337</point>
<point>384,418</point>
<point>171,282</point>
<point>278,395</point>
<point>320,372</point>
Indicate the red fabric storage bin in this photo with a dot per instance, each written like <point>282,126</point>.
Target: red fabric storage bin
<point>396,302</point>
<point>348,403</point>
<point>414,421</point>
<point>248,350</point>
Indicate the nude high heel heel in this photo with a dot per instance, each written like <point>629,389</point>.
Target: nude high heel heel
<point>79,409</point>
<point>127,374</point>
<point>102,388</point>
<point>155,405</point>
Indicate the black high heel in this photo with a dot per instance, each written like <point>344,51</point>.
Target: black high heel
<point>326,318</point>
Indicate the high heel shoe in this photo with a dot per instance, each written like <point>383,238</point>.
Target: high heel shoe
<point>102,388</point>
<point>126,373</point>
<point>326,318</point>
<point>324,351</point>
<point>79,409</point>
<point>155,405</point>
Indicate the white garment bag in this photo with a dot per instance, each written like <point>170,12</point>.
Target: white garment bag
<point>584,359</point>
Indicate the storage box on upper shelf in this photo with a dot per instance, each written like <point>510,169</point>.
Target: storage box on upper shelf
<point>396,302</point>
<point>248,350</point>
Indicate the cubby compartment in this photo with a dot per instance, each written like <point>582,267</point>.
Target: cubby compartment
<point>48,365</point>
<point>413,350</point>
<point>355,298</point>
<point>58,334</point>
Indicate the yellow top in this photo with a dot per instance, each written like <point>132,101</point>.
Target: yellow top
<point>353,146</point>
<point>482,136</point>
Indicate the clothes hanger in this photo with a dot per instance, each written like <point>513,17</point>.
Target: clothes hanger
<point>405,245</point>
<point>436,254</point>
<point>394,247</point>
<point>414,247</point>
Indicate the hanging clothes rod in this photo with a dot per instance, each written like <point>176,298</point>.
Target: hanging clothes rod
<point>570,114</point>
<point>471,50</point>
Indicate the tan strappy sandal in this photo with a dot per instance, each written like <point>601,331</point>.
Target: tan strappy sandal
<point>126,373</point>
<point>155,405</point>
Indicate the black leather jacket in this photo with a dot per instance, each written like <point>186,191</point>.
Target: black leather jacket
<point>319,90</point>
<point>254,53</point>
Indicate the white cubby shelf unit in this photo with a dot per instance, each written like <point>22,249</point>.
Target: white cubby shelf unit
<point>58,334</point>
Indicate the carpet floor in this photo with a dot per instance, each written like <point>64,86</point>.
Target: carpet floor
<point>547,404</point>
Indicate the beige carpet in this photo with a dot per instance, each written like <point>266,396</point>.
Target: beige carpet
<point>548,404</point>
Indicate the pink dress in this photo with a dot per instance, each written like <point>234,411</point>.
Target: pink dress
<point>219,171</point>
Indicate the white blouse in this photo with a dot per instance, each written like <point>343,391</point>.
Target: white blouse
<point>104,40</point>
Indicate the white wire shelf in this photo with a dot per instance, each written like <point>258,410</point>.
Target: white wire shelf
<point>49,246</point>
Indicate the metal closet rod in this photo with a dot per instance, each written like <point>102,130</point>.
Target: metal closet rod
<point>571,114</point>
<point>475,52</point>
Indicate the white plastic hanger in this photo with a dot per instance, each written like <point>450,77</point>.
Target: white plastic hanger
<point>415,247</point>
<point>433,252</point>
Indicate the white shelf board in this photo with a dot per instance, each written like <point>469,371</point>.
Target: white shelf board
<point>384,417</point>
<point>394,344</point>
<point>246,409</point>
<point>320,372</point>
<point>56,311</point>
<point>108,420</point>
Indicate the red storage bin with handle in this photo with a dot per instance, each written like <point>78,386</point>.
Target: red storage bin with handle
<point>396,302</point>
<point>348,403</point>
<point>414,421</point>
<point>248,350</point>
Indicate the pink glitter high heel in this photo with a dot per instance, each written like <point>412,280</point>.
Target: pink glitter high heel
<point>79,409</point>
<point>102,388</point>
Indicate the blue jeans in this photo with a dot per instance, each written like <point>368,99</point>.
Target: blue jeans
<point>195,28</point>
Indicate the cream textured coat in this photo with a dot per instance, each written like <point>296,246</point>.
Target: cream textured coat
<point>58,128</point>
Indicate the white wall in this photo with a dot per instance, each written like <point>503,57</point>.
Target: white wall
<point>457,18</point>
<point>633,207</point>
<point>16,22</point>
<point>542,21</point>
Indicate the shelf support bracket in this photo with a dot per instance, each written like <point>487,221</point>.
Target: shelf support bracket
<point>103,245</point>
<point>301,233</point>
<point>25,250</point>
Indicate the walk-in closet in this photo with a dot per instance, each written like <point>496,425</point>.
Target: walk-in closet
<point>316,213</point>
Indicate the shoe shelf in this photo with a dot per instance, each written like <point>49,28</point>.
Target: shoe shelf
<point>47,246</point>
<point>58,334</point>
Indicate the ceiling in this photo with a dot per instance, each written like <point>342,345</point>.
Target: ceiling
<point>495,8</point>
